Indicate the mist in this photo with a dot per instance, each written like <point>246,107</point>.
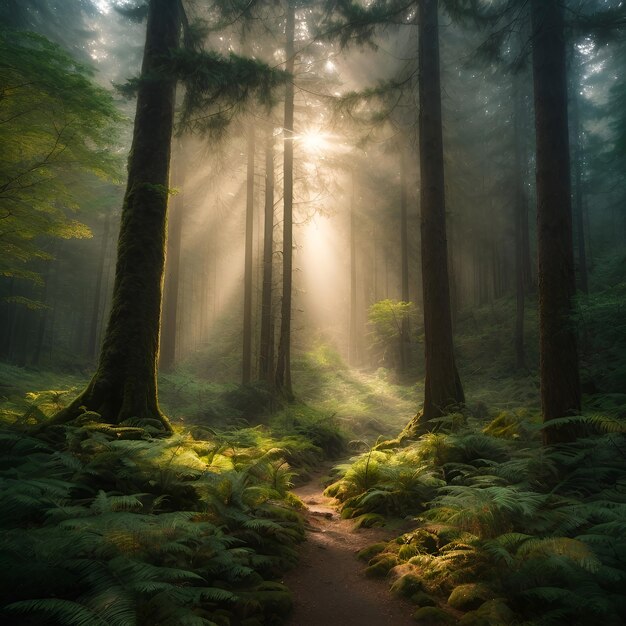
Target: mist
<point>312,312</point>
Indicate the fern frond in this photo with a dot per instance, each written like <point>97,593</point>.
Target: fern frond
<point>62,611</point>
<point>572,549</point>
<point>106,503</point>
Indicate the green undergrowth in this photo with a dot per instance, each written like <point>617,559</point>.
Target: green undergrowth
<point>503,531</point>
<point>367,404</point>
<point>364,404</point>
<point>484,346</point>
<point>186,395</point>
<point>110,525</point>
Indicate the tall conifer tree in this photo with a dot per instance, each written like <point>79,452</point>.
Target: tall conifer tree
<point>442,388</point>
<point>124,385</point>
<point>560,384</point>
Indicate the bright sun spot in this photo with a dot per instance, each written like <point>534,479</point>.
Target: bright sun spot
<point>104,6</point>
<point>315,141</point>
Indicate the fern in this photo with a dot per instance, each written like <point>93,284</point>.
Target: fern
<point>485,511</point>
<point>103,543</point>
<point>63,611</point>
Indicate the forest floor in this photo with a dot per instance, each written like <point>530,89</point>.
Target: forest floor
<point>329,584</point>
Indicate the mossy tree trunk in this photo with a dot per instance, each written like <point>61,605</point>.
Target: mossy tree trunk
<point>442,388</point>
<point>560,384</point>
<point>124,385</point>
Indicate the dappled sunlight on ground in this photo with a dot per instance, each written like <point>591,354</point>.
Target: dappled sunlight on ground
<point>367,403</point>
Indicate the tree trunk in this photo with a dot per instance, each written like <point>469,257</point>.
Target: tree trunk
<point>353,352</point>
<point>527,265</point>
<point>283,361</point>
<point>124,385</point>
<point>42,323</point>
<point>520,209</point>
<point>246,369</point>
<point>560,384</point>
<point>404,255</point>
<point>520,354</point>
<point>92,340</point>
<point>171,297</point>
<point>452,277</point>
<point>265,349</point>
<point>7,321</point>
<point>579,199</point>
<point>442,389</point>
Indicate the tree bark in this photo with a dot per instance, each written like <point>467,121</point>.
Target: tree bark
<point>171,297</point>
<point>353,352</point>
<point>404,260</point>
<point>51,270</point>
<point>92,340</point>
<point>443,389</point>
<point>7,321</point>
<point>246,369</point>
<point>520,209</point>
<point>283,360</point>
<point>579,199</point>
<point>124,385</point>
<point>265,348</point>
<point>560,384</point>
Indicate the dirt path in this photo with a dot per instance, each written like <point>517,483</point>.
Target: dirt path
<point>329,586</point>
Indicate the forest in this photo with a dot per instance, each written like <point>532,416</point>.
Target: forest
<point>312,312</point>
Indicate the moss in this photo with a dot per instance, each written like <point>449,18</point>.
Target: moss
<point>389,444</point>
<point>490,613</point>
<point>423,599</point>
<point>423,540</point>
<point>367,553</point>
<point>333,490</point>
<point>276,602</point>
<point>294,501</point>
<point>122,432</point>
<point>505,425</point>
<point>470,596</point>
<point>432,615</point>
<point>369,520</point>
<point>275,598</point>
<point>407,585</point>
<point>89,417</point>
<point>347,512</point>
<point>407,551</point>
<point>381,565</point>
<point>448,535</point>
